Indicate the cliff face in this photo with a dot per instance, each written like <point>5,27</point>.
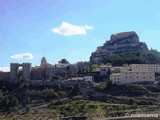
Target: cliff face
<point>118,43</point>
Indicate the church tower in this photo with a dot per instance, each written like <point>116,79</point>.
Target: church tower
<point>43,62</point>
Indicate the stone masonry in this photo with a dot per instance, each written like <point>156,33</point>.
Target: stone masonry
<point>14,71</point>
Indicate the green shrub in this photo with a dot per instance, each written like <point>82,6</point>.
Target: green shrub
<point>27,108</point>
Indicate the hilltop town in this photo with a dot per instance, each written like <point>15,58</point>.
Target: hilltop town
<point>117,76</point>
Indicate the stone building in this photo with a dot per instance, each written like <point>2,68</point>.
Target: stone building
<point>38,73</point>
<point>69,69</point>
<point>146,67</point>
<point>46,70</point>
<point>45,64</point>
<point>14,71</point>
<point>4,75</point>
<point>104,69</point>
<point>41,72</point>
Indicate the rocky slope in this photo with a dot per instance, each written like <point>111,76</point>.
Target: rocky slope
<point>118,43</point>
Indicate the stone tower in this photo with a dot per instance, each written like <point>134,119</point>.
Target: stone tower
<point>43,62</point>
<point>14,71</point>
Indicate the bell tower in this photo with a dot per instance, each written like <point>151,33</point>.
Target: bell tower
<point>43,62</point>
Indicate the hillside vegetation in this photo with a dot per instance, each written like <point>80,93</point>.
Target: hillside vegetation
<point>137,57</point>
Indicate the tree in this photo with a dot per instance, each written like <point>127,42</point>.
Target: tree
<point>98,78</point>
<point>79,70</point>
<point>101,87</point>
<point>87,70</point>
<point>13,102</point>
<point>125,65</point>
<point>75,90</point>
<point>63,74</point>
<point>135,105</point>
<point>64,61</point>
<point>28,107</point>
<point>82,67</point>
<point>1,94</point>
<point>95,67</point>
<point>136,57</point>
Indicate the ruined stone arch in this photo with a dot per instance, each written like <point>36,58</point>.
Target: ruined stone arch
<point>14,71</point>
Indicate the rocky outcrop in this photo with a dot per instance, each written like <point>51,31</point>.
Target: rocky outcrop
<point>118,43</point>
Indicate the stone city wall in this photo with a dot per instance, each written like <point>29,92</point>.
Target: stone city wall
<point>4,75</point>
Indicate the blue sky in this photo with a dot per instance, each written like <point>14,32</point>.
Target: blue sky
<point>71,29</point>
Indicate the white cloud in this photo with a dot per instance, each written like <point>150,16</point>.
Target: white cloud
<point>22,56</point>
<point>69,29</point>
<point>5,69</point>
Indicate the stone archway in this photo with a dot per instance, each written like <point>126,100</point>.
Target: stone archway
<point>14,71</point>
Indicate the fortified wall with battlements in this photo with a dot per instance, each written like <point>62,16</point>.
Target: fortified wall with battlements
<point>45,71</point>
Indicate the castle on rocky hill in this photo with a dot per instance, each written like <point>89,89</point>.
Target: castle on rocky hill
<point>118,43</point>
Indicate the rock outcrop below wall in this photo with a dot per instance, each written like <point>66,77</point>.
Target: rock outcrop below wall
<point>118,43</point>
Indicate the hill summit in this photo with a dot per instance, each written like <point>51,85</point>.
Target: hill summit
<point>119,43</point>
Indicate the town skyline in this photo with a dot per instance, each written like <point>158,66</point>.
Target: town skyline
<point>70,29</point>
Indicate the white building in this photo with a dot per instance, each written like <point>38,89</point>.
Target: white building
<point>85,78</point>
<point>135,74</point>
<point>115,78</point>
<point>77,79</point>
<point>145,67</point>
<point>61,65</point>
<point>132,77</point>
<point>88,79</point>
